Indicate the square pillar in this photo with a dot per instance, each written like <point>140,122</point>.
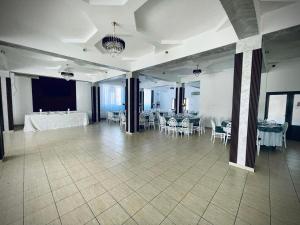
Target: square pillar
<point>95,96</point>
<point>132,103</point>
<point>246,87</point>
<point>179,98</point>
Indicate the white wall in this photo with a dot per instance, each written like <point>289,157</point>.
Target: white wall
<point>83,97</point>
<point>284,77</point>
<point>22,99</point>
<point>216,95</point>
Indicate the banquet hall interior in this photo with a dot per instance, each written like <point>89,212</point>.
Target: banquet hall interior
<point>149,112</point>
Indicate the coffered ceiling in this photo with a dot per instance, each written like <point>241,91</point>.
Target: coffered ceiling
<point>73,29</point>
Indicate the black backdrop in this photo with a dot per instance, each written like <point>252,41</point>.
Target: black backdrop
<point>51,94</point>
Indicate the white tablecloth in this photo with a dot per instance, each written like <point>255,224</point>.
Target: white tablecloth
<point>54,120</point>
<point>271,138</point>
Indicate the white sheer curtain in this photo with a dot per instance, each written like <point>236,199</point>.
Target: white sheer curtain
<point>147,99</point>
<point>112,98</point>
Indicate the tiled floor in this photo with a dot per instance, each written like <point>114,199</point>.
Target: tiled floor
<point>99,175</point>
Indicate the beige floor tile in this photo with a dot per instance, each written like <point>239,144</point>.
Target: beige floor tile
<point>113,216</point>
<point>111,182</point>
<point>64,192</point>
<point>148,192</point>
<point>226,202</point>
<point>68,204</point>
<point>38,203</point>
<point>167,222</point>
<point>78,216</point>
<point>101,203</point>
<point>55,222</point>
<point>92,191</point>
<point>195,203</point>
<point>42,217</point>
<point>133,203</point>
<point>204,222</point>
<point>56,184</point>
<point>93,222</point>
<point>176,191</point>
<point>12,214</point>
<point>150,158</point>
<point>252,216</point>
<point>164,203</point>
<point>130,222</point>
<point>136,182</point>
<point>120,191</point>
<point>218,216</point>
<point>148,215</point>
<point>182,215</point>
<point>86,182</point>
<point>203,192</point>
<point>160,183</point>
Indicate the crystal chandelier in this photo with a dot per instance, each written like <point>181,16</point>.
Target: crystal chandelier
<point>66,73</point>
<point>197,71</point>
<point>113,44</point>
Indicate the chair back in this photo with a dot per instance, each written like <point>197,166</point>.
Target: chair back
<point>123,117</point>
<point>185,123</point>
<point>285,127</point>
<point>213,125</point>
<point>172,122</point>
<point>151,118</point>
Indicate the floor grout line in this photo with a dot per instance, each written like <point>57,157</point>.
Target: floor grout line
<point>42,159</point>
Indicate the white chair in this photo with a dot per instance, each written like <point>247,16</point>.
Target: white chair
<point>172,126</point>
<point>151,121</point>
<point>216,132</point>
<point>258,139</point>
<point>184,128</point>
<point>163,124</point>
<point>109,116</point>
<point>227,130</point>
<point>122,121</point>
<point>201,127</point>
<point>142,121</point>
<point>284,130</point>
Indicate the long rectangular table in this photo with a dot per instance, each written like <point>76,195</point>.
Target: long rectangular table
<point>54,120</point>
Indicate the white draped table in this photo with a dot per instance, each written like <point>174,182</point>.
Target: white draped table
<point>54,120</point>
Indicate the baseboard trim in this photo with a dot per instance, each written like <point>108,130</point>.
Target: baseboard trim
<point>242,167</point>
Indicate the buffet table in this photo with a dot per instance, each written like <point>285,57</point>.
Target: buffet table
<point>54,120</point>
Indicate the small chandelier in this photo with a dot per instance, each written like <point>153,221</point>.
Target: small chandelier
<point>66,73</point>
<point>113,44</point>
<point>197,71</point>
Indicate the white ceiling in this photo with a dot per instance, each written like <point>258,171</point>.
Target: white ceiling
<point>149,27</point>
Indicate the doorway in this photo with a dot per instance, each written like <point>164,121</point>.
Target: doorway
<point>285,107</point>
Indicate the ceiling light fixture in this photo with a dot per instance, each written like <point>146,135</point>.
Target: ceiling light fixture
<point>113,44</point>
<point>66,74</point>
<point>197,71</point>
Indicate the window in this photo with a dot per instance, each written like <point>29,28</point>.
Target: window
<point>147,99</point>
<point>112,98</point>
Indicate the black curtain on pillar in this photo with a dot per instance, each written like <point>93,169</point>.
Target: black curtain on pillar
<point>93,93</point>
<point>181,99</point>
<point>126,103</point>
<point>1,127</point>
<point>152,99</point>
<point>98,106</point>
<point>9,104</point>
<point>253,107</point>
<point>176,101</point>
<point>141,101</point>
